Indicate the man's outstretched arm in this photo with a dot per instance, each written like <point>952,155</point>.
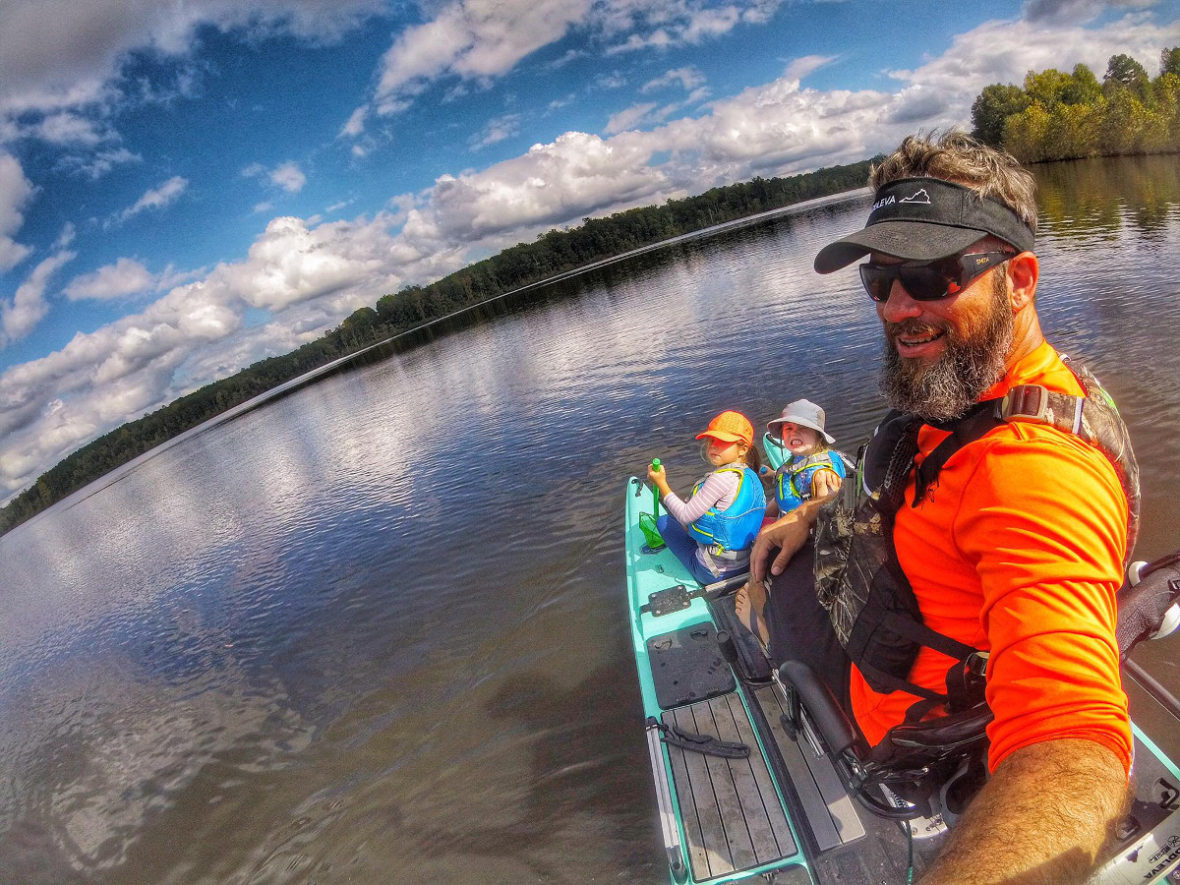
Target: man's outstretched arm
<point>1042,818</point>
<point>779,541</point>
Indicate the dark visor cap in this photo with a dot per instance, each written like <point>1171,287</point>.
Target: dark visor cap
<point>924,219</point>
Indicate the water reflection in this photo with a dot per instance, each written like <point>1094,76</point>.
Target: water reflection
<point>1094,200</point>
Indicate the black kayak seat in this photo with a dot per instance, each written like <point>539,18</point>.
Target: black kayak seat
<point>833,724</point>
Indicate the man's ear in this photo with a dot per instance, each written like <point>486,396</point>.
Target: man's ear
<point>1023,272</point>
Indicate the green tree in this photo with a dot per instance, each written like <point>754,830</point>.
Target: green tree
<point>1170,61</point>
<point>992,107</point>
<point>1047,87</point>
<point>1167,100</point>
<point>1070,132</point>
<point>1083,87</point>
<point>1124,123</point>
<point>1124,72</point>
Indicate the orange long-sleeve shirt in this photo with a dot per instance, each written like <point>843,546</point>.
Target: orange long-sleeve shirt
<point>1018,550</point>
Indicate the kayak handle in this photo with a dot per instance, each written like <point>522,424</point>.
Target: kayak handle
<point>655,493</point>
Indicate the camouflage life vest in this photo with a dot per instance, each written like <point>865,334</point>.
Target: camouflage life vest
<point>858,578</point>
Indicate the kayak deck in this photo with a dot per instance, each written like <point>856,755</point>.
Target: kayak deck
<point>782,814</point>
<point>733,819</point>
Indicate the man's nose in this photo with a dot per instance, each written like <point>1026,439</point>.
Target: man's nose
<point>900,305</point>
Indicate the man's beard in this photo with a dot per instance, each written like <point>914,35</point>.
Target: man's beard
<point>966,368</point>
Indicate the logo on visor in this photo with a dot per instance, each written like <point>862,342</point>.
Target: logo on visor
<point>919,198</point>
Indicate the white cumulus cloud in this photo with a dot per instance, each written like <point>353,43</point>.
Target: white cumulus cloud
<point>629,118</point>
<point>125,277</point>
<point>55,59</point>
<point>15,191</point>
<point>28,307</point>
<point>496,130</point>
<point>287,176</point>
<point>801,67</point>
<point>471,39</point>
<point>474,40</point>
<point>687,78</point>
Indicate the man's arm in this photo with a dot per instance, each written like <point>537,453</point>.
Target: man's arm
<point>1042,818</point>
<point>787,537</point>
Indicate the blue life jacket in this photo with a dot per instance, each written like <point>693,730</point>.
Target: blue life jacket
<point>737,525</point>
<point>792,482</point>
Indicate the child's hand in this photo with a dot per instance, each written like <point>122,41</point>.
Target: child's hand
<point>657,475</point>
<point>824,483</point>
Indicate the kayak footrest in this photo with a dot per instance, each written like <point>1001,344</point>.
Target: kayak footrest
<point>733,818</point>
<point>687,666</point>
<point>751,663</point>
<point>669,600</point>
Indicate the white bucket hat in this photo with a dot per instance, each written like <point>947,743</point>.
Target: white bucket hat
<point>804,413</point>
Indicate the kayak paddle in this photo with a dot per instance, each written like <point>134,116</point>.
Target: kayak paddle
<point>647,521</point>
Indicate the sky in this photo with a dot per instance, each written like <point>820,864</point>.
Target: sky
<point>188,187</point>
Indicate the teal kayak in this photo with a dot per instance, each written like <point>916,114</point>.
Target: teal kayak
<point>741,795</point>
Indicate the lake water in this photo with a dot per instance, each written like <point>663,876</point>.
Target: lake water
<point>374,630</point>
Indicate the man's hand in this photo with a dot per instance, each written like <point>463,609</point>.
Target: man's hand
<point>786,536</point>
<point>1042,818</point>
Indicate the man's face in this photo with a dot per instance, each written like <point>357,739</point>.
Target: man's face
<point>940,356</point>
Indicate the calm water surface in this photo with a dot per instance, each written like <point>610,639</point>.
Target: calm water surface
<point>375,631</point>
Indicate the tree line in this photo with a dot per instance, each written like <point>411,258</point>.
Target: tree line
<point>553,253</point>
<point>1059,116</point>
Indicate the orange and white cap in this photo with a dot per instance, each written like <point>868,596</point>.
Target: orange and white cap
<point>730,427</point>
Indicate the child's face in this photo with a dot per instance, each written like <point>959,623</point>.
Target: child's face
<point>721,452</point>
<point>799,440</point>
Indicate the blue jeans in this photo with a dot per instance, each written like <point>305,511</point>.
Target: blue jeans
<point>685,548</point>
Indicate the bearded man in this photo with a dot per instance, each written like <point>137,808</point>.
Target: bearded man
<point>1007,533</point>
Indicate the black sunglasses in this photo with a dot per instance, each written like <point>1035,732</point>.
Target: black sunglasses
<point>930,280</point>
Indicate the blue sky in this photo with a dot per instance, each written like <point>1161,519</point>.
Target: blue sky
<point>187,188</point>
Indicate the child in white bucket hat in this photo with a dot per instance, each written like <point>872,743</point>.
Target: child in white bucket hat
<point>810,468</point>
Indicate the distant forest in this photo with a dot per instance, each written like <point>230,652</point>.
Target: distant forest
<point>552,254</point>
<point>1055,116</point>
<point>1058,116</point>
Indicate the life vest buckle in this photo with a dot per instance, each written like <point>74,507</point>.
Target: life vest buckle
<point>976,663</point>
<point>1028,402</point>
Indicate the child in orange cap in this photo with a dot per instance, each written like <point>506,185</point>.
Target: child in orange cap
<point>712,532</point>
